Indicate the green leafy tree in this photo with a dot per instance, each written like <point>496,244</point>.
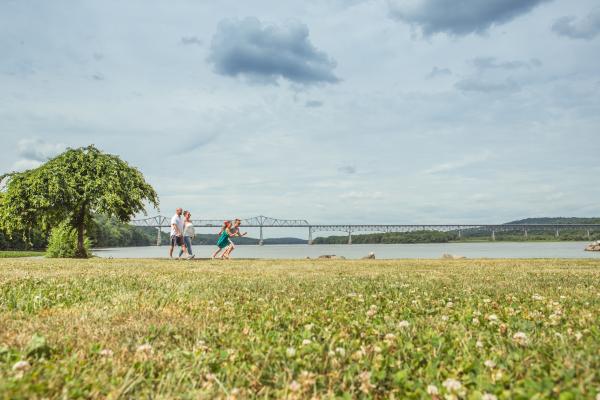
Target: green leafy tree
<point>71,188</point>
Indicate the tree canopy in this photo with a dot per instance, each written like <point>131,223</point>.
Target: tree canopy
<point>71,187</point>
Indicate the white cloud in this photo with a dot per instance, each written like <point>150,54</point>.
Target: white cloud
<point>33,152</point>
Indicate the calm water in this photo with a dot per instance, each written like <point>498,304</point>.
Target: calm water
<point>383,251</point>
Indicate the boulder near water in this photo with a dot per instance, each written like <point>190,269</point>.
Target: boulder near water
<point>594,246</point>
<point>452,257</point>
<point>370,256</point>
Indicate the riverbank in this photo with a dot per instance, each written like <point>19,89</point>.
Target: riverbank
<point>275,329</point>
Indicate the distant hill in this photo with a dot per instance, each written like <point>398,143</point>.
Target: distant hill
<point>558,220</point>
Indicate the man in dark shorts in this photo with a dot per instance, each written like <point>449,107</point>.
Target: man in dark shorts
<point>176,231</point>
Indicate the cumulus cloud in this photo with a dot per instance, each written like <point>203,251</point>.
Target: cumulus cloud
<point>313,104</point>
<point>485,86</point>
<point>436,71</point>
<point>33,152</point>
<point>266,53</point>
<point>457,164</point>
<point>582,28</point>
<point>348,169</point>
<point>486,63</point>
<point>458,17</point>
<point>191,40</point>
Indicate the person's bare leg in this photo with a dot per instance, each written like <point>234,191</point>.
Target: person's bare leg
<point>230,249</point>
<point>171,251</point>
<point>216,252</point>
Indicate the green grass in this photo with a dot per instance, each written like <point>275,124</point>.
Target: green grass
<point>514,329</point>
<point>20,253</point>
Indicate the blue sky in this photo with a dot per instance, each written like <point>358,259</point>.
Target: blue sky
<point>414,111</point>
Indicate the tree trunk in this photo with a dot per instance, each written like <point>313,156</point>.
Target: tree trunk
<point>80,226</point>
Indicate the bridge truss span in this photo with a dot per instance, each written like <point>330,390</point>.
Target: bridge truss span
<point>261,222</point>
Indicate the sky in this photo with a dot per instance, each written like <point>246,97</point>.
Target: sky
<point>333,111</point>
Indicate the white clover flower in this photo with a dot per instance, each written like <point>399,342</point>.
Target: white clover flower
<point>403,324</point>
<point>452,385</point>
<point>520,338</point>
<point>488,396</point>
<point>489,363</point>
<point>390,337</point>
<point>492,318</point>
<point>486,301</point>
<point>432,390</point>
<point>22,365</point>
<point>445,318</point>
<point>479,344</point>
<point>306,342</point>
<point>578,335</point>
<point>144,348</point>
<point>308,327</point>
<point>106,353</point>
<point>537,297</point>
<point>290,352</point>
<point>295,386</point>
<point>449,304</point>
<point>475,321</point>
<point>341,351</point>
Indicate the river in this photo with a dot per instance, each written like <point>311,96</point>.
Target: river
<point>382,251</point>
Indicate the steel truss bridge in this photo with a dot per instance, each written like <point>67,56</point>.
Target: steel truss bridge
<point>160,222</point>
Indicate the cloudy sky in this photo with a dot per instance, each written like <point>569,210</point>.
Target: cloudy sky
<point>374,111</point>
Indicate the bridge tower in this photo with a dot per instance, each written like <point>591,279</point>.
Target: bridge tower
<point>261,240</point>
<point>310,239</point>
<point>158,237</point>
<point>349,235</point>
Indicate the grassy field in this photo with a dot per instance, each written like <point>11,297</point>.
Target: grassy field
<point>18,254</point>
<point>511,329</point>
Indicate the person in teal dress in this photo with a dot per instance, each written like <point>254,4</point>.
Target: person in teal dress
<point>223,242</point>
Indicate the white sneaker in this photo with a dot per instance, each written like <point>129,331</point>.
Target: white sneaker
<point>190,257</point>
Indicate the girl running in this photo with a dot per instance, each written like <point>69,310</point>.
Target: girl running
<point>235,231</point>
<point>223,242</point>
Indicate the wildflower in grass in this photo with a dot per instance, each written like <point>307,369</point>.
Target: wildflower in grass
<point>106,353</point>
<point>502,328</point>
<point>490,364</point>
<point>475,321</point>
<point>449,304</point>
<point>492,318</point>
<point>432,390</point>
<point>21,366</point>
<point>537,297</point>
<point>445,318</point>
<point>365,382</point>
<point>144,349</point>
<point>306,342</point>
<point>403,324</point>
<point>479,344</point>
<point>340,351</point>
<point>452,385</point>
<point>294,387</point>
<point>290,352</point>
<point>520,338</point>
<point>578,336</point>
<point>390,337</point>
<point>308,327</point>
<point>488,396</point>
<point>307,379</point>
<point>372,311</point>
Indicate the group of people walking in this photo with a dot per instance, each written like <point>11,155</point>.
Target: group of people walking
<point>182,234</point>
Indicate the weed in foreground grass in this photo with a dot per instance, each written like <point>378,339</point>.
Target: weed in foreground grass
<point>300,329</point>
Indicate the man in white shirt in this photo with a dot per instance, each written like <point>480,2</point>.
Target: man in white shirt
<point>176,231</point>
